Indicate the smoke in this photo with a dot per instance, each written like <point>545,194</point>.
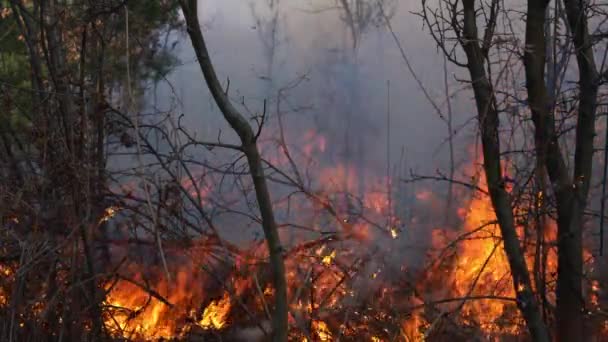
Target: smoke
<point>346,89</point>
<point>351,96</point>
<point>254,333</point>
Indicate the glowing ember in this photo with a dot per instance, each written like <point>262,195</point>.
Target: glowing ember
<point>6,273</point>
<point>394,233</point>
<point>595,290</point>
<point>329,258</point>
<point>108,214</point>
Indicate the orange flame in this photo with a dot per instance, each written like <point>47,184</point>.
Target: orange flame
<point>413,328</point>
<point>216,313</point>
<point>480,269</point>
<point>322,331</point>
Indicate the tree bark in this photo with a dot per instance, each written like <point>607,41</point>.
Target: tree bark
<point>571,194</point>
<point>548,155</point>
<point>249,147</point>
<point>488,123</point>
<point>570,301</point>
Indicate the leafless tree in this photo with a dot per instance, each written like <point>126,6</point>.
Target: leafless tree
<point>552,159</point>
<point>571,192</point>
<point>54,194</point>
<point>249,147</point>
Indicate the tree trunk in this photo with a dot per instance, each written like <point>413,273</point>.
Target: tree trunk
<point>570,301</point>
<point>571,194</point>
<point>249,147</point>
<point>488,123</point>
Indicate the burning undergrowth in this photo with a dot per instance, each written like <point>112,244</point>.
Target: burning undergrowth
<point>333,291</point>
<point>337,231</point>
<point>345,284</point>
<point>353,270</point>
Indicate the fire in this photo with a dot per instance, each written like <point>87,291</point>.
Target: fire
<point>424,195</point>
<point>413,328</point>
<point>216,313</point>
<point>481,267</point>
<point>135,312</point>
<point>322,331</point>
<point>145,327</point>
<point>333,293</point>
<point>478,271</point>
<point>314,143</point>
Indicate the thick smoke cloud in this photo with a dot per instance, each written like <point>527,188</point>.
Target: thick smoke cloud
<point>346,89</point>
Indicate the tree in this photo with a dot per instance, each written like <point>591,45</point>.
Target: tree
<point>56,89</point>
<point>483,54</point>
<point>249,147</point>
<point>571,192</point>
<point>476,51</point>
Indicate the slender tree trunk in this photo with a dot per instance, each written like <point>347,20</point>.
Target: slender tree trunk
<point>249,147</point>
<point>488,124</point>
<point>540,105</point>
<point>570,301</point>
<point>571,194</point>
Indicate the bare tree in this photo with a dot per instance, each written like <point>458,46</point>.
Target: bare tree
<point>571,192</point>
<point>54,196</point>
<point>249,147</point>
<point>476,50</point>
<point>463,23</point>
